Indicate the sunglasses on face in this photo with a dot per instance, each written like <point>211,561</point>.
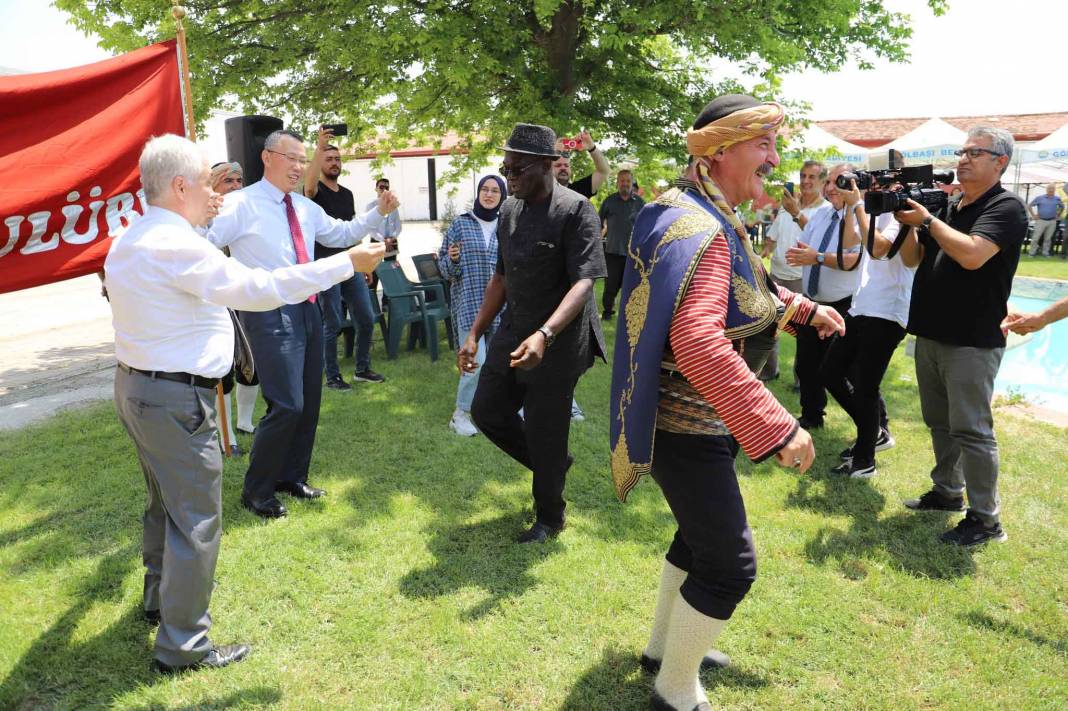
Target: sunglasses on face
<point>515,172</point>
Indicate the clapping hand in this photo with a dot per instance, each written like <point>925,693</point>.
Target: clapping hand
<point>801,255</point>
<point>365,257</point>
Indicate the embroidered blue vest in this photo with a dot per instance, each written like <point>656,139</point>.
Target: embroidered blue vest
<point>670,236</point>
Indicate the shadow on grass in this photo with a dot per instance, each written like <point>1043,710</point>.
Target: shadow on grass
<point>617,682</point>
<point>255,697</point>
<point>986,622</point>
<point>909,539</point>
<point>482,555</point>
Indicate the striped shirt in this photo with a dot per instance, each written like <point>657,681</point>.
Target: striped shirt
<point>706,357</point>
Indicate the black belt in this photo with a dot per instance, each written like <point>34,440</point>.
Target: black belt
<point>187,378</point>
<point>672,373</point>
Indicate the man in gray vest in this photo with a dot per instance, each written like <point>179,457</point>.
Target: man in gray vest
<point>169,290</point>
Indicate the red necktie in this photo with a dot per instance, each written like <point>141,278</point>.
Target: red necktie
<point>297,234</point>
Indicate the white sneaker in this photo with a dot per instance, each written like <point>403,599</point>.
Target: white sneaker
<point>461,424</point>
<point>576,413</point>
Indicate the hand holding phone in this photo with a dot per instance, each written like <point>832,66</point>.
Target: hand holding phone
<point>338,129</point>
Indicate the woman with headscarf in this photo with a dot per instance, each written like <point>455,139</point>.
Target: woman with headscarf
<point>468,258</point>
<point>698,315</point>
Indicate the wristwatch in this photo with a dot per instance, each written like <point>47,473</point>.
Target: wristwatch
<point>926,224</point>
<point>549,335</point>
<point>819,257</point>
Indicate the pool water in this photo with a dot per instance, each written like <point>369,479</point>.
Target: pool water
<point>1036,367</point>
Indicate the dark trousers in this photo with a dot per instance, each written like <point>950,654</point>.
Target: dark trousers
<point>811,350</point>
<point>864,353</point>
<point>287,343</point>
<point>713,543</point>
<point>538,440</point>
<point>355,293</point>
<point>615,264</point>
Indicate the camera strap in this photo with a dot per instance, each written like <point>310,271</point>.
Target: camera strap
<point>898,243</point>
<point>840,250</point>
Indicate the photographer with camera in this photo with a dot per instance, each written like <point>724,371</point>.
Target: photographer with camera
<point>962,285</point>
<point>875,326</point>
<point>826,281</point>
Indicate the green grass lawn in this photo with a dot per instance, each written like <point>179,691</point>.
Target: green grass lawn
<point>1044,267</point>
<point>402,589</point>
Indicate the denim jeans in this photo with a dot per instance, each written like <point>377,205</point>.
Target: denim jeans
<point>354,292</point>
<point>465,391</point>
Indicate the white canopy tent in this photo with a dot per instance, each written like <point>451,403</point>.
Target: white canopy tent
<point>815,138</point>
<point>1052,148</point>
<point>933,141</point>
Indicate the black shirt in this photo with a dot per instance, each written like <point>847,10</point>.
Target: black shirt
<point>965,307</point>
<point>340,205</point>
<point>583,186</point>
<point>619,215</point>
<point>543,249</point>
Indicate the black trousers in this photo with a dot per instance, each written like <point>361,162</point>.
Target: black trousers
<point>538,440</point>
<point>811,350</point>
<point>612,283</point>
<point>864,353</point>
<point>287,343</point>
<point>713,543</point>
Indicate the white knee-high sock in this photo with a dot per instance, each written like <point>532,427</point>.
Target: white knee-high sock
<point>670,581</point>
<point>690,634</point>
<point>246,403</point>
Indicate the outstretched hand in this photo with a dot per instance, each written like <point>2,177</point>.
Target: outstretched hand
<point>828,322</point>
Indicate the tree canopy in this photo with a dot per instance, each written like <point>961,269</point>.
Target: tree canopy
<point>636,71</point>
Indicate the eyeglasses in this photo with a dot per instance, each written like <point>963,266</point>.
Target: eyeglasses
<point>975,152</point>
<point>493,189</point>
<point>299,160</point>
<point>515,172</point>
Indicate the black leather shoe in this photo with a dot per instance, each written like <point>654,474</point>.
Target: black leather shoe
<point>216,658</point>
<point>300,490</point>
<point>659,703</point>
<point>539,533</point>
<point>807,424</point>
<point>715,660</point>
<point>152,617</point>
<point>268,508</point>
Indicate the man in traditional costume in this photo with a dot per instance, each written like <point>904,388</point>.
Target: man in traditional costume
<point>697,320</point>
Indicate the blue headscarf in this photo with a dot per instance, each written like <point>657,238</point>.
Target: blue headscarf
<point>484,213</point>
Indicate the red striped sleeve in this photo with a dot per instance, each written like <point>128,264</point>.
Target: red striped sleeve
<point>705,356</point>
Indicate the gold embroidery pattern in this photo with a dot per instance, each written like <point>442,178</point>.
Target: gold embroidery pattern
<point>637,308</point>
<point>749,301</point>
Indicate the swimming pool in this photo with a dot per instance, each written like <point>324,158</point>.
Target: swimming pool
<point>1036,365</point>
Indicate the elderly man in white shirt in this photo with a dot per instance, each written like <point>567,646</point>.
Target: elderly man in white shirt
<point>267,225</point>
<point>827,282</point>
<point>169,289</point>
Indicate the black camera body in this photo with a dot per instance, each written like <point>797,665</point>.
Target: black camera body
<point>902,184</point>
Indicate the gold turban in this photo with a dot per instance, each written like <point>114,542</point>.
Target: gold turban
<point>735,128</point>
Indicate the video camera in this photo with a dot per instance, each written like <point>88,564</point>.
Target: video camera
<point>912,183</point>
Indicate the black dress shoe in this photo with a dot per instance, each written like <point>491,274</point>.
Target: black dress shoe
<point>714,660</point>
<point>152,617</point>
<point>216,658</point>
<point>539,533</point>
<point>267,508</point>
<point>807,424</point>
<point>659,703</point>
<point>299,489</point>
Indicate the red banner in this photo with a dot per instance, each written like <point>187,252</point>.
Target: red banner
<point>69,148</point>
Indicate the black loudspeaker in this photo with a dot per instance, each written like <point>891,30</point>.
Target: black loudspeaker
<point>245,136</point>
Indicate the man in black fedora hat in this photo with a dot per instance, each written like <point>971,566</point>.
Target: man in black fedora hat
<point>549,254</point>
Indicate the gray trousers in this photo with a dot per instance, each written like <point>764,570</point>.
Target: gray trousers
<point>1043,232</point>
<point>956,388</point>
<point>174,429</point>
<point>771,368</point>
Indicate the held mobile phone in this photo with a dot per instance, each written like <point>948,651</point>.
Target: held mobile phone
<point>339,129</point>
<point>789,187</point>
<point>572,144</point>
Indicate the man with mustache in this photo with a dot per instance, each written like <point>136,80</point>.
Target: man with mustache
<point>267,225</point>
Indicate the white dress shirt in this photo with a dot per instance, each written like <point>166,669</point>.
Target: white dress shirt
<point>835,284</point>
<point>785,233</point>
<point>885,284</point>
<point>169,287</point>
<point>253,224</point>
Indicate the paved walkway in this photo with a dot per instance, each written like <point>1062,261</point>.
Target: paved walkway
<point>58,351</point>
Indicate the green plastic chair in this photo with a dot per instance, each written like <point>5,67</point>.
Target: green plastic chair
<point>409,304</point>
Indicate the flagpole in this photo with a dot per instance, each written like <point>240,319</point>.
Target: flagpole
<point>178,13</point>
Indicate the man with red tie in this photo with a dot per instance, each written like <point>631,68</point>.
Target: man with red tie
<point>267,225</point>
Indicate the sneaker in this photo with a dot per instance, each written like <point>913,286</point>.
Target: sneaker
<point>368,376</point>
<point>338,383</point>
<point>576,413</point>
<point>933,501</point>
<point>847,468</point>
<point>461,424</point>
<point>971,531</point>
<point>883,442</point>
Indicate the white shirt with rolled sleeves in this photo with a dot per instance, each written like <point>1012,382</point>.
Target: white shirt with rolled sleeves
<point>885,287</point>
<point>835,284</point>
<point>253,224</point>
<point>169,289</point>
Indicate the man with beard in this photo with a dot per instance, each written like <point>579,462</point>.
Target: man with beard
<point>320,184</point>
<point>549,254</point>
<point>588,186</point>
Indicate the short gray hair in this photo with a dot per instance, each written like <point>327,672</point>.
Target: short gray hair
<point>275,137</point>
<point>1001,139</point>
<point>166,157</point>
